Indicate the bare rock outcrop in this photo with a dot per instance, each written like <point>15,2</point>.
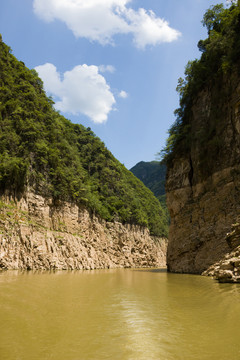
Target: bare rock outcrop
<point>228,269</point>
<point>35,233</point>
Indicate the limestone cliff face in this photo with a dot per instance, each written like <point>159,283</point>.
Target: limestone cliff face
<point>37,234</point>
<point>203,186</point>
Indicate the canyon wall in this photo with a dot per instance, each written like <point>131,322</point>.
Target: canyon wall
<point>203,185</point>
<point>37,234</point>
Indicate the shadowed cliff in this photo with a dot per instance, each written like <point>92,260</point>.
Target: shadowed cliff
<point>202,151</point>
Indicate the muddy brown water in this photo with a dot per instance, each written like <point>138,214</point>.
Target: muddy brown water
<point>123,314</point>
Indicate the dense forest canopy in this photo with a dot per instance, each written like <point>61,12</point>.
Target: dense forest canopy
<point>42,150</point>
<point>220,57</point>
<point>153,175</point>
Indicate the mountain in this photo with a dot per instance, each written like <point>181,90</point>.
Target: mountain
<point>202,152</point>
<point>43,151</point>
<point>65,201</point>
<point>152,174</point>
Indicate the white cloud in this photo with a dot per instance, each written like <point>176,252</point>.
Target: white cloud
<point>106,68</point>
<point>96,20</point>
<point>149,29</point>
<point>100,20</point>
<point>51,78</point>
<point>123,94</point>
<point>81,90</point>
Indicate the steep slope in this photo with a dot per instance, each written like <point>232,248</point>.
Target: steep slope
<point>36,234</point>
<point>203,149</point>
<point>66,202</point>
<point>152,174</point>
<point>41,150</point>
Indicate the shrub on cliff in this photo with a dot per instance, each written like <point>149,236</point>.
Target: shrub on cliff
<point>220,55</point>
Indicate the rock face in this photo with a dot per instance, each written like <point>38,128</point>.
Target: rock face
<point>203,191</point>
<point>37,234</point>
<point>228,269</point>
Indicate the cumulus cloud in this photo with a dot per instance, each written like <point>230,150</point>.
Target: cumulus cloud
<point>123,94</point>
<point>100,20</point>
<point>81,90</point>
<point>106,68</point>
<point>150,30</point>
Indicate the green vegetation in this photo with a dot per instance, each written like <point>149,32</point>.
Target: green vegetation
<point>220,58</point>
<point>42,150</point>
<point>153,174</point>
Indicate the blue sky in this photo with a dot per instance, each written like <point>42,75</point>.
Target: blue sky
<point>111,65</point>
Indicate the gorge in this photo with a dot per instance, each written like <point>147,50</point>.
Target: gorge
<point>56,176</point>
<point>91,266</point>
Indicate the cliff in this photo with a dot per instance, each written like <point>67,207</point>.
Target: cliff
<point>37,234</point>
<point>203,176</point>
<point>204,197</point>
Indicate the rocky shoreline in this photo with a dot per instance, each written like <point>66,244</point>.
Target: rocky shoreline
<point>36,234</point>
<point>227,270</point>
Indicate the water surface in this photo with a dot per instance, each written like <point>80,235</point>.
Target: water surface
<point>117,314</point>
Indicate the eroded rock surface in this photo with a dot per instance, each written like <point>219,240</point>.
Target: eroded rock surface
<point>203,192</point>
<point>37,234</point>
<point>228,269</point>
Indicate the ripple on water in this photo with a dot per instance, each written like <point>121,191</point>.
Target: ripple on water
<point>117,314</point>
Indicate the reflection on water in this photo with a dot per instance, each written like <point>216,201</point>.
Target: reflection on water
<point>117,314</point>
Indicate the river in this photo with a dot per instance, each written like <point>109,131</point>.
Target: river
<point>120,314</point>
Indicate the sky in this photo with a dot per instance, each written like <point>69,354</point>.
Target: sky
<point>111,65</point>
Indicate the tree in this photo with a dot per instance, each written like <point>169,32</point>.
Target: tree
<point>212,17</point>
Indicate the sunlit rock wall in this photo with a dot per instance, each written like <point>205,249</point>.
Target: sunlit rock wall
<point>37,234</point>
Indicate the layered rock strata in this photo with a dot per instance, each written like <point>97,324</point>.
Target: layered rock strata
<point>35,233</point>
<point>203,185</point>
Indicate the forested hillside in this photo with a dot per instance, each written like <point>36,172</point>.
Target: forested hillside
<point>42,150</point>
<point>152,174</point>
